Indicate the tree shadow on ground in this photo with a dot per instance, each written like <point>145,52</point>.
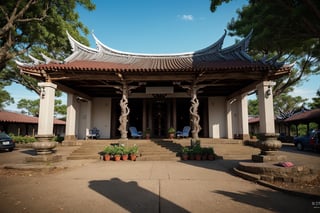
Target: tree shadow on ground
<point>132,197</point>
<point>221,165</point>
<point>278,203</point>
<point>29,152</point>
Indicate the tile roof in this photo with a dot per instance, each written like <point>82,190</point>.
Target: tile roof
<point>98,72</point>
<point>12,117</point>
<point>253,120</point>
<point>105,58</point>
<point>305,116</point>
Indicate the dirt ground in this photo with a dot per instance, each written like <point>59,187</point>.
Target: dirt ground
<point>95,186</point>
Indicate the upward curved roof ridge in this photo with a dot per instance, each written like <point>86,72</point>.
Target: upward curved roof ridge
<point>215,47</point>
<point>103,47</point>
<point>213,52</point>
<point>242,45</point>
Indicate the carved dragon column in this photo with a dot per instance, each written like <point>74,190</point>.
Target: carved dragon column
<point>124,113</point>
<point>195,118</point>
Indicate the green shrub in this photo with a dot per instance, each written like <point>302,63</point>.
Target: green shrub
<point>23,139</point>
<point>58,139</point>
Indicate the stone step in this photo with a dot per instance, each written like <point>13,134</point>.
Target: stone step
<point>153,149</point>
<point>148,150</point>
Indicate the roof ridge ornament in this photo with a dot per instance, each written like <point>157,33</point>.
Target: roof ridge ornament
<point>35,60</point>
<point>49,60</point>
<point>215,47</point>
<point>76,45</point>
<point>241,46</point>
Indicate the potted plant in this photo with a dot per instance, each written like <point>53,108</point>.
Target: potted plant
<point>117,152</point>
<point>125,153</point>
<point>210,153</point>
<point>147,133</point>
<point>191,154</point>
<point>133,151</point>
<point>171,132</point>
<point>204,153</point>
<point>107,153</point>
<point>197,150</point>
<point>184,153</point>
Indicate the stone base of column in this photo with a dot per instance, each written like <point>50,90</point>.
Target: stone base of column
<point>44,158</point>
<point>123,139</point>
<point>70,138</point>
<point>269,146</point>
<point>268,158</point>
<point>45,145</point>
<point>244,137</point>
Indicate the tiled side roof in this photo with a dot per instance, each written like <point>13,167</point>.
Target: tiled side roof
<point>253,120</point>
<point>12,117</point>
<point>305,116</point>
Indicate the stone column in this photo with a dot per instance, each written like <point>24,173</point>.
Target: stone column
<point>229,119</point>
<point>243,117</point>
<point>268,142</point>
<point>46,117</point>
<point>195,118</point>
<point>266,112</point>
<point>71,119</point>
<point>88,120</point>
<point>174,112</point>
<point>124,116</point>
<point>144,115</point>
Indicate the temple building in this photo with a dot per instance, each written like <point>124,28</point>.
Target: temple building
<point>112,90</point>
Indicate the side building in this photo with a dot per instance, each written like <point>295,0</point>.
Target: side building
<point>19,124</point>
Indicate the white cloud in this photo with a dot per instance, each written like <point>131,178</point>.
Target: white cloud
<point>186,17</point>
<point>304,93</point>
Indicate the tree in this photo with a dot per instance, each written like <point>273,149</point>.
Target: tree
<point>316,101</point>
<point>253,108</point>
<point>32,106</point>
<point>288,30</point>
<point>5,98</point>
<point>285,105</point>
<point>37,26</point>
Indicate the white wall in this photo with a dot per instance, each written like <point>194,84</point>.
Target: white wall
<point>82,120</point>
<point>101,116</point>
<point>217,117</point>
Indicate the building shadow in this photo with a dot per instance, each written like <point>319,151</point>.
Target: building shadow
<point>132,197</point>
<point>259,198</point>
<point>220,165</point>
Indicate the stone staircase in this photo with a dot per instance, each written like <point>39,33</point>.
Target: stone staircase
<point>149,150</point>
<point>159,150</point>
<point>88,150</point>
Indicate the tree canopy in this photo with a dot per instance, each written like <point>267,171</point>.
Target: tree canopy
<point>34,27</point>
<point>284,29</point>
<point>315,101</point>
<point>31,107</point>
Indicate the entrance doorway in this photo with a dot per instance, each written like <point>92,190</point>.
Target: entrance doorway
<point>159,118</point>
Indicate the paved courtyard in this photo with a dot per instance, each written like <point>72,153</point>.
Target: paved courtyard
<point>145,186</point>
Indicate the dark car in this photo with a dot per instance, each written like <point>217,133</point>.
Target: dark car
<point>285,138</point>
<point>6,143</point>
<point>310,141</point>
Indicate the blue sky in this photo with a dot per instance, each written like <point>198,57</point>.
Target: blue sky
<point>154,26</point>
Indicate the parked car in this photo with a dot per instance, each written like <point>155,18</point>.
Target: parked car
<point>285,138</point>
<point>6,142</point>
<point>310,141</point>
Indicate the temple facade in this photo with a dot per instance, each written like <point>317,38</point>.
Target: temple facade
<point>112,90</point>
